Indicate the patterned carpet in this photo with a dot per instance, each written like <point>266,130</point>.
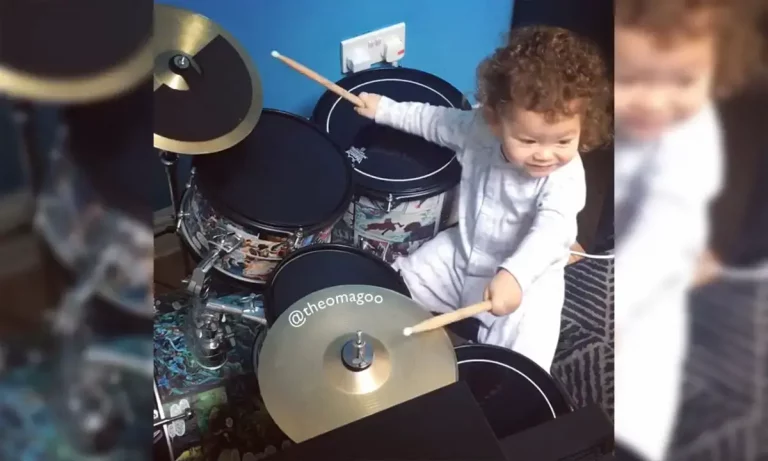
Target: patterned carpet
<point>725,409</point>
<point>584,360</point>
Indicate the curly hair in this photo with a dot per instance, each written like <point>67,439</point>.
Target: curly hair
<point>546,69</point>
<point>735,23</point>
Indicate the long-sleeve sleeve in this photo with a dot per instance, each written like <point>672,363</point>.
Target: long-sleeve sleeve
<point>448,127</point>
<point>554,228</point>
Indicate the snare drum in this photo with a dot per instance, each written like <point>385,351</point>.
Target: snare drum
<point>324,266</point>
<point>405,186</point>
<point>282,188</point>
<point>514,393</point>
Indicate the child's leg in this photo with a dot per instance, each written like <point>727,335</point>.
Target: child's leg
<point>534,329</point>
<point>431,275</point>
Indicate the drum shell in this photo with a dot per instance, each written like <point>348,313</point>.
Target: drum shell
<point>399,204</point>
<point>260,252</point>
<point>310,268</point>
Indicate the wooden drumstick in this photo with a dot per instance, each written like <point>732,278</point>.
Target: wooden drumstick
<point>307,72</point>
<point>442,320</point>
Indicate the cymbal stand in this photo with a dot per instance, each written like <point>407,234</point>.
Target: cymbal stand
<point>208,332</point>
<point>170,161</point>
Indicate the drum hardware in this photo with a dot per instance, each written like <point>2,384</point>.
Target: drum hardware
<point>209,335</point>
<point>208,94</point>
<point>222,245</point>
<point>356,371</point>
<point>298,236</point>
<point>162,422</point>
<point>169,161</point>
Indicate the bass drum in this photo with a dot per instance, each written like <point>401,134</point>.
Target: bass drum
<point>514,393</point>
<point>282,188</point>
<point>405,186</point>
<point>324,266</point>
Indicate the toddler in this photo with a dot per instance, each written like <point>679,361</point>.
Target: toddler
<point>672,57</point>
<point>543,98</point>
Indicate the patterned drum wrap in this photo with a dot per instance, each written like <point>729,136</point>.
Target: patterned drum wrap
<point>80,229</point>
<point>399,232</point>
<point>228,419</point>
<point>258,255</point>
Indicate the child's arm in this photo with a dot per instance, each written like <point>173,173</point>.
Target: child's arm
<point>445,126</point>
<point>554,228</point>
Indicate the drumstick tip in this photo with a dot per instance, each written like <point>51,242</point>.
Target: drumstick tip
<point>275,54</point>
<point>408,331</point>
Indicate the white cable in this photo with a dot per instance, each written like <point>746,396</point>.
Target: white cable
<point>589,256</point>
<point>758,273</point>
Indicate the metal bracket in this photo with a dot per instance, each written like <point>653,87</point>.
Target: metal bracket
<point>222,245</point>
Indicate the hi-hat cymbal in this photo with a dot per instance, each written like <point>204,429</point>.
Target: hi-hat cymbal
<point>207,89</point>
<point>48,51</point>
<point>312,379</point>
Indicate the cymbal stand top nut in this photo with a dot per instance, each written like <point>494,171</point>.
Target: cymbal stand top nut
<point>181,61</point>
<point>357,354</point>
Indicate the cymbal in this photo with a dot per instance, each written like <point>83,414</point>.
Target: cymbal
<point>48,53</point>
<point>208,94</point>
<point>313,380</point>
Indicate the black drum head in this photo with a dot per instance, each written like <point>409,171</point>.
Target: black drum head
<point>388,161</point>
<point>286,175</point>
<point>514,393</point>
<point>323,266</point>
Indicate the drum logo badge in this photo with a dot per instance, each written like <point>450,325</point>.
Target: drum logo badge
<point>357,155</point>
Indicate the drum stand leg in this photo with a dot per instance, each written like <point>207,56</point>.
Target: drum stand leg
<point>34,162</point>
<point>170,161</point>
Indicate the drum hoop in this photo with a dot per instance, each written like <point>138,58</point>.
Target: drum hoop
<point>269,294</point>
<point>510,367</point>
<point>382,196</point>
<point>368,175</point>
<point>256,225</point>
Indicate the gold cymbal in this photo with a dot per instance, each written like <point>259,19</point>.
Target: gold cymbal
<point>308,375</point>
<point>183,34</point>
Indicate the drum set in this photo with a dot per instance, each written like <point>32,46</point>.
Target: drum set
<point>308,214</point>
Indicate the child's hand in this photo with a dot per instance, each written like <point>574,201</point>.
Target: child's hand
<point>504,293</point>
<point>371,104</point>
<point>707,269</point>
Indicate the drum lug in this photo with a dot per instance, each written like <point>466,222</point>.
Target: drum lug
<point>390,200</point>
<point>198,283</point>
<point>296,240</point>
<point>179,218</point>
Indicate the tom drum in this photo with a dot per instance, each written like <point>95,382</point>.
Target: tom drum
<point>281,189</point>
<point>404,186</point>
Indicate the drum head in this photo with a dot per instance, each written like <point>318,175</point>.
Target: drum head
<point>286,175</point>
<point>388,161</point>
<point>514,393</point>
<point>323,266</point>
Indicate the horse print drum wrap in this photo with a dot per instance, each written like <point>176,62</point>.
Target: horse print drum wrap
<point>323,266</point>
<point>282,188</point>
<point>405,186</point>
<point>514,393</point>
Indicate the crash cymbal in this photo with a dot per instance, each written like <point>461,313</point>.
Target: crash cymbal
<point>80,51</point>
<point>207,89</point>
<point>312,379</point>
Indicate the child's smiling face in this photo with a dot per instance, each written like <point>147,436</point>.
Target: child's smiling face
<point>659,84</point>
<point>531,141</point>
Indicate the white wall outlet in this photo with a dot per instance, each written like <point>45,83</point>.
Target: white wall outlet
<point>383,45</point>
